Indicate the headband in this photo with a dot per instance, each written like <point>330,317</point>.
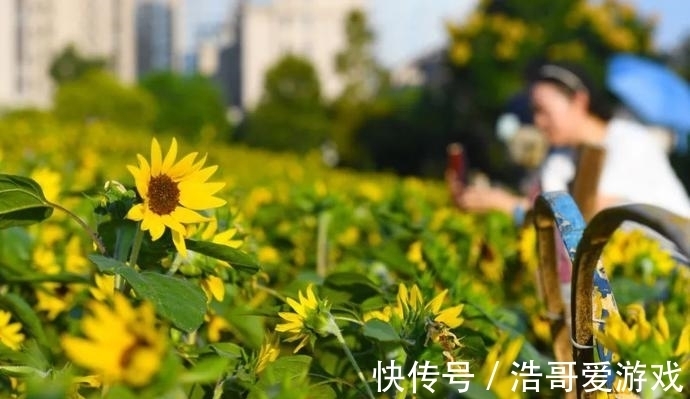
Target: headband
<point>563,76</point>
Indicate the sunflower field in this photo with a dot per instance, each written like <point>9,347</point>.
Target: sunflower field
<point>134,266</point>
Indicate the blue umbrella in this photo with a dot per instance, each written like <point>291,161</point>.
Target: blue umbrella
<point>655,93</point>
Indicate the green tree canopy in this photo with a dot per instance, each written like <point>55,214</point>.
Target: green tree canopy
<point>186,104</point>
<point>490,52</point>
<point>501,38</point>
<point>97,95</point>
<point>69,65</point>
<point>364,79</point>
<point>290,115</point>
<point>292,81</point>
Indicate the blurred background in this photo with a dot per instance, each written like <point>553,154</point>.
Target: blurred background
<point>379,85</point>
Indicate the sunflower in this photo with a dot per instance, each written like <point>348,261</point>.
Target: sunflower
<point>311,315</point>
<point>9,332</point>
<point>268,352</point>
<point>121,343</point>
<point>172,192</point>
<point>410,306</point>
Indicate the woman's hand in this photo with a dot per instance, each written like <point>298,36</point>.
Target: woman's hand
<point>455,185</point>
<point>483,198</point>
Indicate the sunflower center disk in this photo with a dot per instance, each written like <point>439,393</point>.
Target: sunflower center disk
<point>164,194</point>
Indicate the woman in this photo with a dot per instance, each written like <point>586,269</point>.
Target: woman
<point>570,111</point>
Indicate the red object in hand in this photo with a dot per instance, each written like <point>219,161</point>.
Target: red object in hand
<point>456,160</point>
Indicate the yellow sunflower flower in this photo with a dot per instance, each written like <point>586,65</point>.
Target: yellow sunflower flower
<point>56,298</point>
<point>104,288</point>
<point>410,304</point>
<point>172,192</point>
<point>121,344</point>
<point>9,332</point>
<point>50,182</point>
<point>495,372</point>
<point>215,325</point>
<point>214,288</point>
<point>449,316</point>
<point>268,352</point>
<point>311,314</point>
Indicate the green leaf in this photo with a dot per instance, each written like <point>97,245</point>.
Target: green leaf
<point>347,287</point>
<point>395,259</point>
<point>227,349</point>
<point>287,368</point>
<point>119,392</point>
<point>22,371</point>
<point>239,260</point>
<point>178,300</point>
<point>21,202</point>
<point>322,391</point>
<point>351,280</point>
<point>380,330</point>
<point>26,315</point>
<point>30,356</point>
<point>118,237</point>
<point>475,390</point>
<point>206,370</point>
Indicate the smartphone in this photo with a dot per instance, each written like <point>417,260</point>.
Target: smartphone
<point>456,160</point>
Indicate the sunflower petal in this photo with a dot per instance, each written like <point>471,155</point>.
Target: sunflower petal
<point>435,305</point>
<point>182,167</point>
<point>156,158</point>
<point>154,224</point>
<point>178,240</point>
<point>136,212</point>
<point>302,343</point>
<point>297,307</point>
<point>200,188</point>
<point>142,176</point>
<point>184,215</point>
<point>201,175</point>
<point>174,224</point>
<point>170,157</point>
<point>199,164</point>
<point>196,201</point>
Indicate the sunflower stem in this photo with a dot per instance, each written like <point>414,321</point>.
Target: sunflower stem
<point>136,246</point>
<point>218,389</point>
<point>322,244</point>
<point>94,235</point>
<point>351,320</point>
<point>271,292</point>
<point>335,330</point>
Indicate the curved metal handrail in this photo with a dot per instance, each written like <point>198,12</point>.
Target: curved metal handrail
<point>587,254</point>
<point>556,211</point>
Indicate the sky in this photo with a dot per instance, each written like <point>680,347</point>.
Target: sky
<point>408,28</point>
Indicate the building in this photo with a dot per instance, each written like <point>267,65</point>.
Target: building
<point>269,29</point>
<point>159,36</point>
<point>429,69</point>
<point>33,32</point>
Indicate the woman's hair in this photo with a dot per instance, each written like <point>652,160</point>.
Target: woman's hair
<point>572,78</point>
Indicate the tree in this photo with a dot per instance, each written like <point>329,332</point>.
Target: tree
<point>69,65</point>
<point>291,114</point>
<point>364,77</point>
<point>186,104</point>
<point>97,95</point>
<point>364,80</point>
<point>491,50</point>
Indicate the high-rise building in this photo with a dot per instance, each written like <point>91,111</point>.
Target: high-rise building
<point>159,36</point>
<point>33,32</point>
<point>269,29</point>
